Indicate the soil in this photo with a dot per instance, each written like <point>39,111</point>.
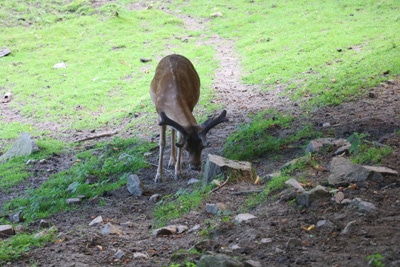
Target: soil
<point>278,235</point>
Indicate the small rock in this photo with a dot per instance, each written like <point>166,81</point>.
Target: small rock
<point>339,197</point>
<point>22,146</point>
<point>17,217</point>
<point>74,200</point>
<point>218,260</point>
<point>306,198</point>
<point>193,181</point>
<point>326,124</point>
<point>295,184</point>
<point>293,243</point>
<point>6,230</point>
<point>244,217</point>
<point>134,185</point>
<point>216,14</point>
<point>155,198</point>
<point>194,228</point>
<point>60,65</point>
<point>266,240</point>
<point>127,224</point>
<point>215,208</point>
<point>139,255</point>
<point>346,229</point>
<point>45,232</point>
<point>7,97</point>
<point>96,221</point>
<point>181,228</point>
<point>167,230</point>
<point>251,263</point>
<point>44,224</point>
<point>5,52</point>
<point>119,254</point>
<point>322,223</point>
<point>110,229</point>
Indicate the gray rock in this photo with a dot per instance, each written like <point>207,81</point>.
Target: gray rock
<point>72,187</point>
<point>6,230</point>
<point>343,173</point>
<point>22,146</point>
<point>244,217</point>
<point>119,254</point>
<point>306,198</point>
<point>215,208</point>
<point>251,263</point>
<point>17,217</point>
<point>155,198</point>
<point>293,243</point>
<point>134,185</point>
<point>324,223</point>
<point>193,181</point>
<point>295,184</point>
<point>318,144</point>
<point>218,260</point>
<point>362,206</point>
<point>96,221</point>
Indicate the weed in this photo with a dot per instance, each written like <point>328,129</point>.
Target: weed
<point>365,152</point>
<point>375,260</point>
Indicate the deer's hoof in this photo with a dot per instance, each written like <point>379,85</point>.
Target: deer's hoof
<point>177,177</point>
<point>158,179</point>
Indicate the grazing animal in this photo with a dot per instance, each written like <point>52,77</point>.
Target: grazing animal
<point>175,90</point>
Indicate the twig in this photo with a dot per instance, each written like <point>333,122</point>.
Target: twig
<point>220,186</point>
<point>246,192</point>
<point>97,136</point>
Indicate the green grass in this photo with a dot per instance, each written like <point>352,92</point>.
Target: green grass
<point>262,135</point>
<point>13,247</point>
<point>175,205</point>
<point>104,80</point>
<point>296,43</point>
<point>108,164</point>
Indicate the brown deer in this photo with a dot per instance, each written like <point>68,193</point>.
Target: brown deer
<point>175,90</point>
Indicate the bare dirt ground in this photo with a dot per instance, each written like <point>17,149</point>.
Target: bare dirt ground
<point>263,239</point>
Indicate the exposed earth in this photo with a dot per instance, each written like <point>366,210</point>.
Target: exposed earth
<point>263,239</point>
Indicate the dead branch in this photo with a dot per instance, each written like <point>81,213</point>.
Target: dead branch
<point>220,186</point>
<point>97,136</point>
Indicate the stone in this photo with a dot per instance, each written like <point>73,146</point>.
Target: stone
<point>44,224</point>
<point>155,198</point>
<point>6,97</point>
<point>96,221</point>
<point>343,173</point>
<point>346,229</point>
<point>170,230</point>
<point>251,263</point>
<point>293,243</point>
<point>110,229</point>
<point>72,187</point>
<point>16,217</point>
<point>318,144</point>
<point>5,52</point>
<point>60,65</point>
<point>119,254</point>
<point>382,170</point>
<point>23,146</point>
<point>235,170</point>
<point>323,223</point>
<point>193,181</point>
<point>74,200</point>
<point>295,184</point>
<point>306,198</point>
<point>6,230</point>
<point>215,208</point>
<point>362,206</point>
<point>139,255</point>
<point>243,217</point>
<point>218,260</point>
<point>134,185</point>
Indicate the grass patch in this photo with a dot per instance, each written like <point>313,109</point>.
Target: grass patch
<point>175,205</point>
<point>13,247</point>
<point>262,135</point>
<point>326,51</point>
<point>107,165</point>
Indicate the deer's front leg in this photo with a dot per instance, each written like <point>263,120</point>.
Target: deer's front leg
<point>178,165</point>
<point>172,158</point>
<point>160,159</point>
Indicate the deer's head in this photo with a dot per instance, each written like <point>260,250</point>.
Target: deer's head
<point>194,138</point>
